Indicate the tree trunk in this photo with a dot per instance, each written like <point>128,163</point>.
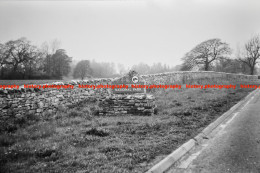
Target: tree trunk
<point>15,67</point>
<point>252,70</point>
<point>2,73</point>
<point>206,66</point>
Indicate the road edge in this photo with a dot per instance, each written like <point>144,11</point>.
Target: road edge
<point>177,154</point>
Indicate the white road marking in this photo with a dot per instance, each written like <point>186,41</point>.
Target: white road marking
<point>231,119</point>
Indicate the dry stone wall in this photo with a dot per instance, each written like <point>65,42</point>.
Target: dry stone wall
<point>188,76</point>
<point>134,104</point>
<point>40,101</point>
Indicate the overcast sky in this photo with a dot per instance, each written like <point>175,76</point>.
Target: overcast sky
<point>130,31</point>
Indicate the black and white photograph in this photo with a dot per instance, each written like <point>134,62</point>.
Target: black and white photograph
<point>129,86</point>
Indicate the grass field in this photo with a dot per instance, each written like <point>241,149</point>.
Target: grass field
<point>75,140</point>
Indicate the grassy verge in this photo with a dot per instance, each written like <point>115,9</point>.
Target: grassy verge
<point>75,140</point>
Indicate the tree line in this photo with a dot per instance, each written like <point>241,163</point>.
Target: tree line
<point>214,55</point>
<point>20,59</point>
<point>86,68</point>
<point>210,55</point>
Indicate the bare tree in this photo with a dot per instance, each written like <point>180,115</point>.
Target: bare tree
<point>206,53</point>
<point>4,54</point>
<point>48,49</point>
<point>51,47</point>
<point>19,52</point>
<point>251,53</point>
<point>54,45</point>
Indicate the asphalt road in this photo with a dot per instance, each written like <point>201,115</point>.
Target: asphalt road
<point>234,148</point>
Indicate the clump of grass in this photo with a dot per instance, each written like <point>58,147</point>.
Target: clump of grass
<point>16,121</point>
<point>6,140</point>
<point>75,113</point>
<point>156,111</point>
<point>41,131</point>
<point>8,127</point>
<point>62,108</point>
<point>97,132</point>
<point>48,154</point>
